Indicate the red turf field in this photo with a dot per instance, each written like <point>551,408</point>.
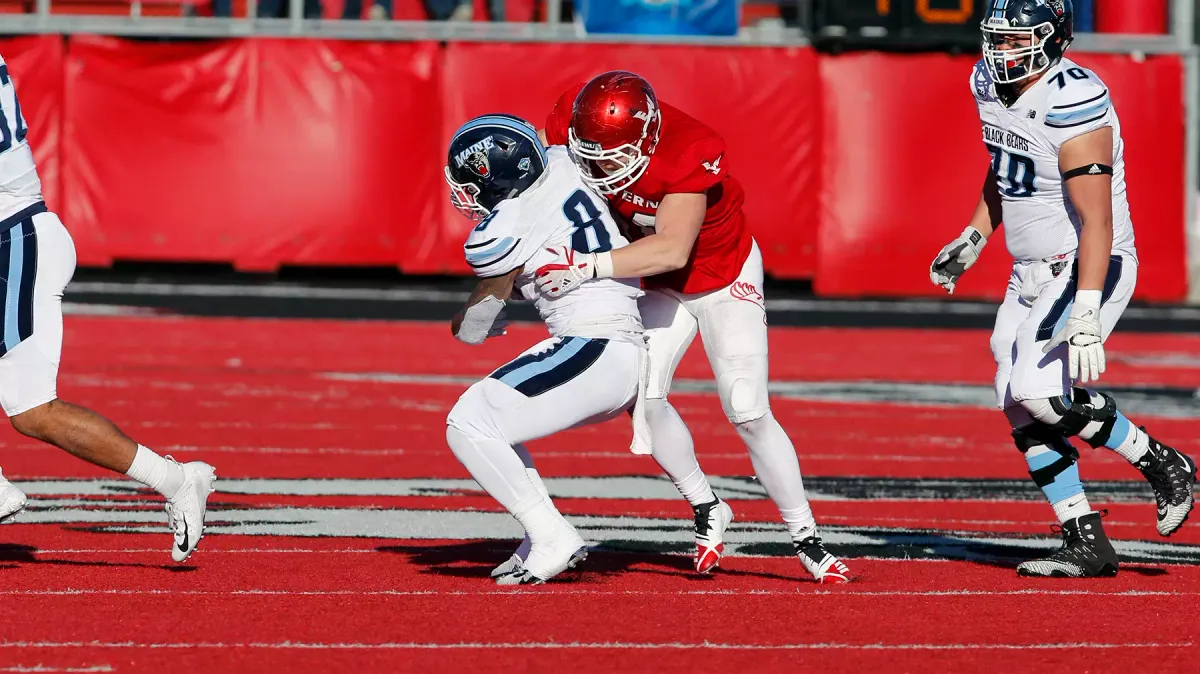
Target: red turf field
<point>389,572</point>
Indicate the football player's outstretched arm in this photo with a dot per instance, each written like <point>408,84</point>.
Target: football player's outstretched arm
<point>676,226</point>
<point>1090,190</point>
<point>482,316</point>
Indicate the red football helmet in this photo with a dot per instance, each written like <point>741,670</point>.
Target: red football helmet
<point>614,128</point>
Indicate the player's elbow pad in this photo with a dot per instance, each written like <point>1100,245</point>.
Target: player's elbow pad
<point>478,320</point>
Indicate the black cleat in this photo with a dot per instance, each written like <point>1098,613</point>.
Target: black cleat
<point>1086,553</point>
<point>1172,474</point>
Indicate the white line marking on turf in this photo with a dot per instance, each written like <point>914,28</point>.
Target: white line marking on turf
<point>45,668</point>
<point>231,449</point>
<point>298,292</point>
<point>807,590</point>
<point>605,645</point>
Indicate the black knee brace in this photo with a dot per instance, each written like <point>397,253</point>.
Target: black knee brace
<point>1082,412</point>
<point>1038,433</point>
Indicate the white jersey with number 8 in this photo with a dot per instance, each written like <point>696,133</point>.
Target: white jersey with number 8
<point>559,210</point>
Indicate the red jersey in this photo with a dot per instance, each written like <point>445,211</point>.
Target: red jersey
<point>689,159</point>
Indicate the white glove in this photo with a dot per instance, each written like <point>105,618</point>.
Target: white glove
<point>500,325</point>
<point>956,258</point>
<point>570,269</point>
<point>1085,344</point>
<point>486,318</point>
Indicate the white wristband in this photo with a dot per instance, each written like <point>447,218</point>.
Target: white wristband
<point>604,265</point>
<point>968,232</point>
<point>1089,298</point>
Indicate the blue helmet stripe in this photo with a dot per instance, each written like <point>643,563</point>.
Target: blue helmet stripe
<point>508,125</point>
<point>998,8</point>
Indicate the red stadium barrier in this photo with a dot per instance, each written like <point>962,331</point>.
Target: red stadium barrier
<point>903,166</point>
<point>1148,95</point>
<point>266,152</point>
<point>36,66</point>
<point>898,186</point>
<point>1140,16</point>
<point>260,152</point>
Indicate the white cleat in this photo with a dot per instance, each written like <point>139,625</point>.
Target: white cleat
<point>546,561</point>
<point>824,567</point>
<point>12,500</point>
<point>515,560</point>
<point>712,519</point>
<point>507,567</point>
<point>185,511</point>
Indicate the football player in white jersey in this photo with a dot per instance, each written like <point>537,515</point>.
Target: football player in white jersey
<point>529,199</point>
<point>1057,182</point>
<point>37,260</point>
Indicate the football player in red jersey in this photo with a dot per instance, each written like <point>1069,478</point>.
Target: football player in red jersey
<point>666,174</point>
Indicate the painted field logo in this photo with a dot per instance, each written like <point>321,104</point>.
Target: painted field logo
<point>440,514</point>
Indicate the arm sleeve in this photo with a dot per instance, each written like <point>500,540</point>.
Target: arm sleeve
<point>1076,106</point>
<point>496,245</point>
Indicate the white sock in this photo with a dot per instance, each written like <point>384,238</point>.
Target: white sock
<point>496,467</point>
<point>775,462</point>
<point>695,488</point>
<point>800,522</point>
<point>531,471</point>
<point>540,519</point>
<point>1135,445</point>
<point>527,460</point>
<point>1070,508</point>
<point>675,453</point>
<point>161,475</point>
<point>778,469</point>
